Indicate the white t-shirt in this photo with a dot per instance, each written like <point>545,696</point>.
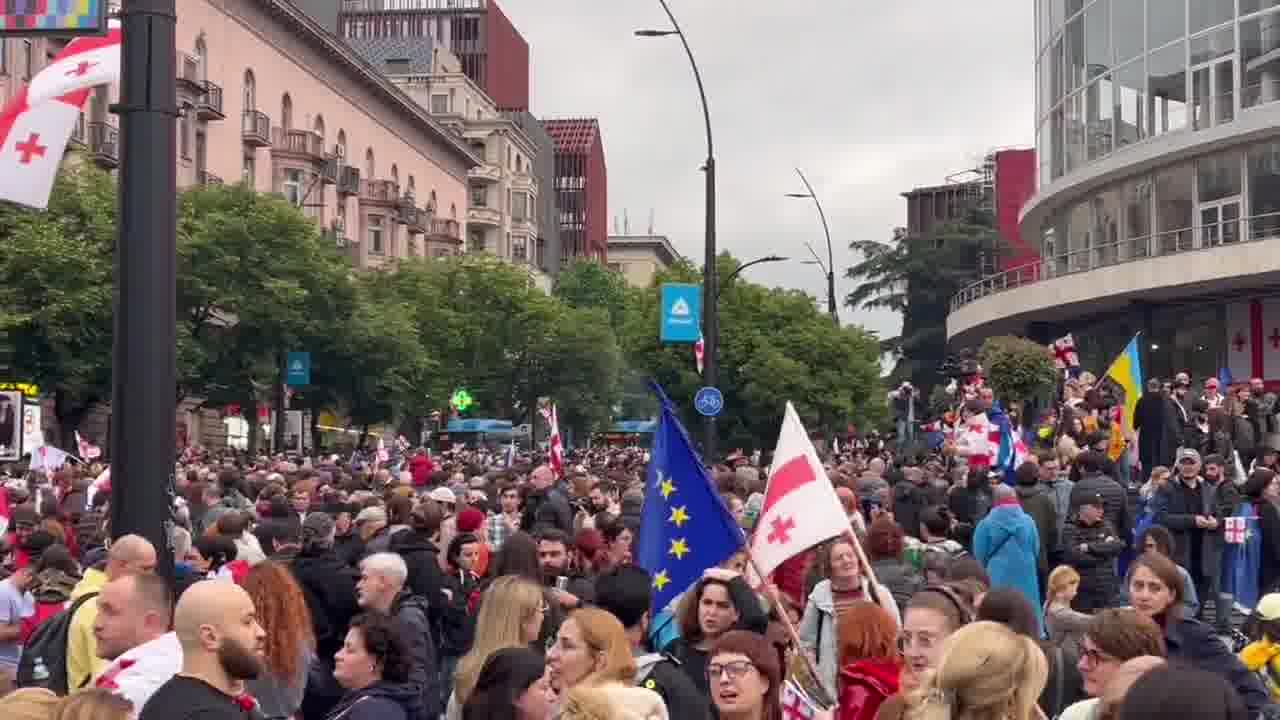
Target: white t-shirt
<point>15,606</point>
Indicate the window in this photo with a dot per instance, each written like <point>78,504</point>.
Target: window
<point>1165,25</point>
<point>341,148</point>
<point>375,235</point>
<point>1248,6</point>
<point>1208,13</point>
<point>1126,29</point>
<point>615,267</point>
<point>28,58</point>
<point>319,128</point>
<point>1174,207</point>
<point>250,91</point>
<point>479,197</point>
<point>249,172</point>
<point>184,134</point>
<point>1100,108</point>
<point>1167,103</point>
<point>520,249</point>
<point>368,163</point>
<point>1075,61</point>
<point>1131,103</point>
<point>286,112</point>
<point>292,186</point>
<point>1259,61</point>
<point>395,173</point>
<point>1137,216</point>
<point>1264,191</point>
<point>1219,176</point>
<point>439,104</point>
<point>520,206</point>
<point>1097,36</point>
<point>202,59</point>
<point>475,243</point>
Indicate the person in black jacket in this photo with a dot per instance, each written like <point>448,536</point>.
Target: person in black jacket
<point>422,557</point>
<point>1094,482</point>
<point>328,584</point>
<point>546,504</point>
<point>1158,426</point>
<point>625,592</point>
<point>382,588</point>
<point>375,667</point>
<point>1263,489</point>
<point>1190,511</point>
<point>1090,545</point>
<point>721,601</point>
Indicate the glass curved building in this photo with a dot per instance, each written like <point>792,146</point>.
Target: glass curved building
<point>1158,152</point>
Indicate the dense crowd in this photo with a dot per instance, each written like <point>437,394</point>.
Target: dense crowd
<point>479,583</point>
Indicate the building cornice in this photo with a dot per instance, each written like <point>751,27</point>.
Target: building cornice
<point>328,43</point>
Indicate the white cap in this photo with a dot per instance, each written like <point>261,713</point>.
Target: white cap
<point>444,495</point>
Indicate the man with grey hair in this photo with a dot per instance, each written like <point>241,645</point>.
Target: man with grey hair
<point>1007,544</point>
<point>382,588</point>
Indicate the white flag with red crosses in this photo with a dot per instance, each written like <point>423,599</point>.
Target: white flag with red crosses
<point>800,505</point>
<point>84,63</point>
<point>32,140</point>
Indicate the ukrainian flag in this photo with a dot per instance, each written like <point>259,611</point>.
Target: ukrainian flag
<point>1126,373</point>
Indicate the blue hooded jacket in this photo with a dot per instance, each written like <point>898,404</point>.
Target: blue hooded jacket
<point>1008,546</point>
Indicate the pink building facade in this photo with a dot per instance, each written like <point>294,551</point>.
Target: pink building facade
<point>272,98</point>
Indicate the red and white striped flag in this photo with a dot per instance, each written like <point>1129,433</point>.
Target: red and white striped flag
<point>85,62</point>
<point>557,446</point>
<point>1064,352</point>
<point>699,352</point>
<point>795,704</point>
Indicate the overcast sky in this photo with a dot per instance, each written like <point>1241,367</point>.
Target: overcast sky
<point>868,97</point>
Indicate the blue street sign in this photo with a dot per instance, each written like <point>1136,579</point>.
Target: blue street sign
<point>298,373</point>
<point>709,401</point>
<point>681,313</point>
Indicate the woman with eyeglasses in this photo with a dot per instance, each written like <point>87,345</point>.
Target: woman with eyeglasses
<point>934,614</point>
<point>1155,588</point>
<point>745,675</point>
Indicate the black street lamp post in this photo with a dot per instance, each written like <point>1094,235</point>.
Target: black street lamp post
<point>710,316</point>
<point>829,267</point>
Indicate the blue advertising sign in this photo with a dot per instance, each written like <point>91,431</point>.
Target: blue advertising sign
<point>681,313</point>
<point>298,373</point>
<point>709,401</point>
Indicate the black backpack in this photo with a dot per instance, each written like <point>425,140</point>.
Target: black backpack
<point>44,658</point>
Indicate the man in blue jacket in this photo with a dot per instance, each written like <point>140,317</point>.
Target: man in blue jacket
<point>1007,544</point>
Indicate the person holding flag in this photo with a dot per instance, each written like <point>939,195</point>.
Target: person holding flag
<point>686,532</point>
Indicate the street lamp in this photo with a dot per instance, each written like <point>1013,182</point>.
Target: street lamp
<point>744,266</point>
<point>710,315</point>
<point>829,268</point>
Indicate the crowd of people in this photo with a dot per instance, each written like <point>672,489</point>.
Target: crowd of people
<point>469,584</point>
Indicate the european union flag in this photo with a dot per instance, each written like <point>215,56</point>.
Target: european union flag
<point>685,528</point>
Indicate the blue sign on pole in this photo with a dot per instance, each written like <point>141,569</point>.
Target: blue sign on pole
<point>681,313</point>
<point>298,373</point>
<point>709,401</point>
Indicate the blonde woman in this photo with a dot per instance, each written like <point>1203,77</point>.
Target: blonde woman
<point>29,704</point>
<point>510,615</point>
<point>592,652</point>
<point>987,672</point>
<point>1066,626</point>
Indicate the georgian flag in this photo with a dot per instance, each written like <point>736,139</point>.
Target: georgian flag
<point>88,451</point>
<point>86,62</point>
<point>699,351</point>
<point>1064,353</point>
<point>557,445</point>
<point>32,140</point>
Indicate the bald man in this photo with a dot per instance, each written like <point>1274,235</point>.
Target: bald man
<point>222,647</point>
<point>128,555</point>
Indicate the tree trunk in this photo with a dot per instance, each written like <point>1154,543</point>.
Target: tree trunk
<point>69,414</point>
<point>313,403</point>
<point>249,411</point>
<point>282,404</point>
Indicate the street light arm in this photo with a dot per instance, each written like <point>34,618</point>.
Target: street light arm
<point>826,229</point>
<point>816,258</point>
<point>697,76</point>
<point>738,271</point>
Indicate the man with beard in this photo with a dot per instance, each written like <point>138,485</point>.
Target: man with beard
<point>546,504</point>
<point>553,556</point>
<point>132,631</point>
<point>222,646</point>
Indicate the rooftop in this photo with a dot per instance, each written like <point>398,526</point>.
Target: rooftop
<point>573,135</point>
<point>660,244</point>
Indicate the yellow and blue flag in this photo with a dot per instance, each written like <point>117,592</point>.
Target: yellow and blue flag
<point>1126,374</point>
<point>685,527</point>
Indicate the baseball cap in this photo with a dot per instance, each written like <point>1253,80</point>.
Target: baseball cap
<point>1188,454</point>
<point>443,495</point>
<point>371,514</point>
<point>1268,607</point>
<point>1092,499</point>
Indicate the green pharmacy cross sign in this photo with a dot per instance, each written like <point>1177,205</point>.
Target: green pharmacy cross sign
<point>462,401</point>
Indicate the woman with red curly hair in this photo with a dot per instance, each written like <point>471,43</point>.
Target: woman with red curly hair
<point>289,645</point>
<point>870,669</point>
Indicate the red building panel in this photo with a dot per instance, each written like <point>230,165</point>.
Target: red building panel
<point>506,68</point>
<point>582,187</point>
<point>1015,182</point>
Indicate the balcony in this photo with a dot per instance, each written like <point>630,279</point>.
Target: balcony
<point>380,192</point>
<point>209,104</point>
<point>522,225</point>
<point>484,216</point>
<point>444,230</point>
<point>303,144</point>
<point>1211,257</point>
<point>189,79</point>
<point>80,133</point>
<point>486,173</point>
<point>348,180</point>
<point>522,181</point>
<point>337,232</point>
<point>204,177</point>
<point>255,128</point>
<point>410,214</point>
<point>104,144</point>
<point>329,171</point>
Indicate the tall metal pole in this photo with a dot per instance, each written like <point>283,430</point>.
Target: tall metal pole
<point>831,266</point>
<point>144,365</point>
<point>710,313</point>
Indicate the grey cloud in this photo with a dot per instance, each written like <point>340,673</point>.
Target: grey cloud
<point>869,97</point>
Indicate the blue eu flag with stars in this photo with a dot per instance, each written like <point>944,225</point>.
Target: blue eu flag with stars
<point>685,528</point>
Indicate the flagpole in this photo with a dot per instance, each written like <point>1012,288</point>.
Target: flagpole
<point>776,601</point>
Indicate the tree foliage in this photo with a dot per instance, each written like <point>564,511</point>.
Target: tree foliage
<point>1017,369</point>
<point>917,276</point>
<point>775,346</point>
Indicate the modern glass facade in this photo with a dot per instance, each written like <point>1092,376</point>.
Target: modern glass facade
<point>1111,73</point>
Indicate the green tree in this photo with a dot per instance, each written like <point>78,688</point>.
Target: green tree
<point>588,284</point>
<point>56,293</point>
<point>1017,369</point>
<point>775,346</point>
<point>254,280</point>
<point>917,276</point>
